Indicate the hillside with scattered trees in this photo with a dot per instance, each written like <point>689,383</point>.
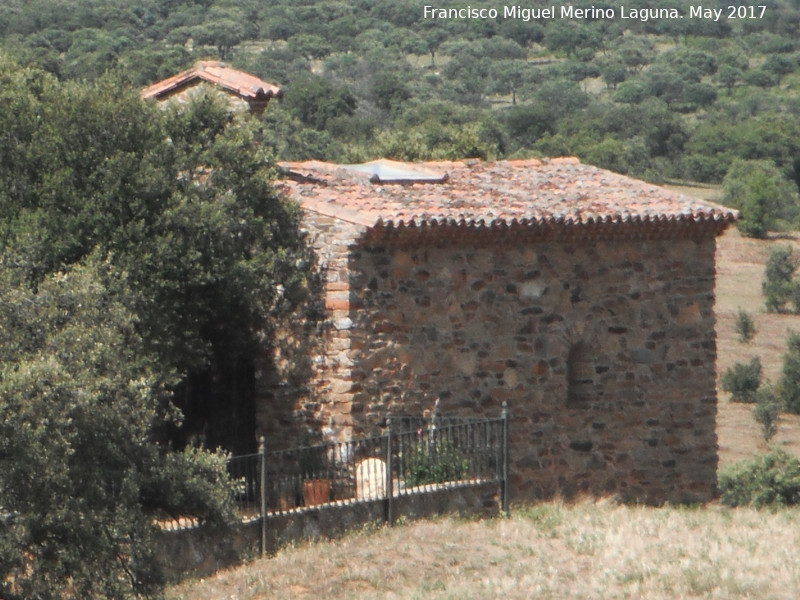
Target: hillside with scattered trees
<point>661,99</point>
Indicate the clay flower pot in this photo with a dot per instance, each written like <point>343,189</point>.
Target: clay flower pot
<point>316,491</point>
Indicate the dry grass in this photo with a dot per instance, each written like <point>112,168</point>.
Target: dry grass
<point>740,270</point>
<point>551,550</point>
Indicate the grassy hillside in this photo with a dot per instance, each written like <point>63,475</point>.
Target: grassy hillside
<point>548,551</point>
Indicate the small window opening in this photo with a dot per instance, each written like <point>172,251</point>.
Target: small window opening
<point>580,376</point>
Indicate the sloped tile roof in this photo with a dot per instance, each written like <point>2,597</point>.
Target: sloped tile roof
<point>488,194</point>
<point>243,84</point>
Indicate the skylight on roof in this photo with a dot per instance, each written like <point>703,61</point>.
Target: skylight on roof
<point>382,171</point>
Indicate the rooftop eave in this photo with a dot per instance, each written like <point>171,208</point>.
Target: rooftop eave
<point>727,218</point>
<point>498,231</point>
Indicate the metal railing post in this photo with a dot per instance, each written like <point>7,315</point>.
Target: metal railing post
<point>506,483</point>
<point>262,456</point>
<point>389,472</point>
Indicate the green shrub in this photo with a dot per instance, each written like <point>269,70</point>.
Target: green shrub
<point>762,192</point>
<point>767,479</point>
<point>745,327</point>
<point>766,412</point>
<point>435,462</point>
<point>742,381</point>
<point>779,287</point>
<point>789,388</point>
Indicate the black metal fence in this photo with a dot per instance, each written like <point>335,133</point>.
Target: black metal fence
<point>415,455</point>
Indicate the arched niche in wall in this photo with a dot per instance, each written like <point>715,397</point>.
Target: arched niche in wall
<point>580,375</point>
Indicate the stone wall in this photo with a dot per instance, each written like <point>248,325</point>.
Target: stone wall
<point>604,351</point>
<point>604,348</point>
<point>199,552</point>
<point>306,379</point>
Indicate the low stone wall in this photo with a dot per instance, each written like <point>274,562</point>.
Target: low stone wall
<point>200,552</point>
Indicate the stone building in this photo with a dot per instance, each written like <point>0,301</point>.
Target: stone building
<point>583,298</point>
<point>242,90</point>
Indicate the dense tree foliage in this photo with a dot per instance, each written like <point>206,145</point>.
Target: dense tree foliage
<point>779,286</point>
<point>763,195</point>
<point>144,256</point>
<point>81,482</point>
<point>723,89</point>
<point>694,94</point>
<point>182,202</point>
<point>789,384</point>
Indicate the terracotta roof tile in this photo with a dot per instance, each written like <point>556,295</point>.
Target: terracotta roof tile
<point>475,193</point>
<point>243,84</point>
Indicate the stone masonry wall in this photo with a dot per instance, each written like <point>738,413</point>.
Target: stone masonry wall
<point>604,350</point>
<point>307,376</point>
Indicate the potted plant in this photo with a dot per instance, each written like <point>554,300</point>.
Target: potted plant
<point>315,476</point>
<point>435,461</point>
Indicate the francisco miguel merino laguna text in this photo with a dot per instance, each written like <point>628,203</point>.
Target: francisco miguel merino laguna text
<point>570,12</point>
